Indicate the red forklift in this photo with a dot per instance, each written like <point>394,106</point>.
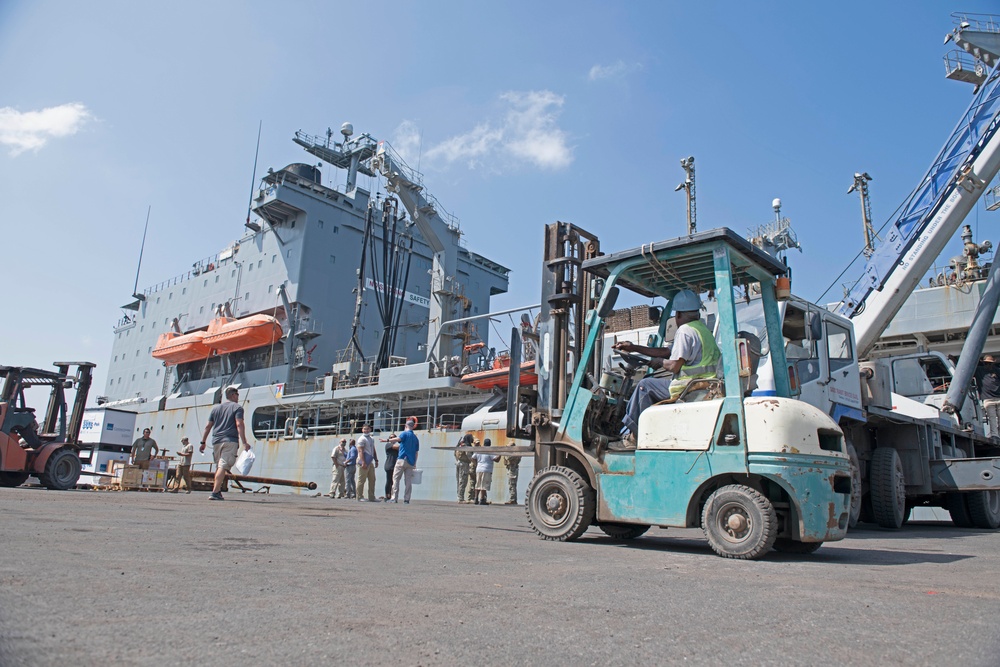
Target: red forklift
<point>49,449</point>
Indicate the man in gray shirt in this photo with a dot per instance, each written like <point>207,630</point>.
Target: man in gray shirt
<point>143,449</point>
<point>227,420</point>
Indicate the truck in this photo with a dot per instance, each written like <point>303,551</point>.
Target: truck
<point>50,449</point>
<point>755,473</point>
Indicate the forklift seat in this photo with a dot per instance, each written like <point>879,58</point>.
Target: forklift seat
<point>704,389</point>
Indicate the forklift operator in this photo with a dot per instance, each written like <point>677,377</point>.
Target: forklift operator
<point>694,354</point>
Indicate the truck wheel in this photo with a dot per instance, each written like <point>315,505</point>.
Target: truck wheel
<point>11,479</point>
<point>788,546</point>
<point>957,506</point>
<point>623,531</point>
<point>984,509</point>
<point>855,512</point>
<point>62,470</point>
<point>739,522</point>
<point>560,504</point>
<point>888,488</point>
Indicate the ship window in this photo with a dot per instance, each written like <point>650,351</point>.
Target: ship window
<point>333,259</point>
<point>205,284</point>
<point>247,297</point>
<point>216,278</point>
<point>250,268</point>
<point>166,320</point>
<point>170,296</point>
<point>233,274</point>
<point>157,299</point>
<point>133,377</point>
<point>137,353</point>
<point>145,375</point>
<point>289,255</point>
<point>184,290</point>
<point>269,288</point>
<point>141,329</point>
<point>260,263</point>
<point>201,309</point>
<point>157,372</point>
<point>150,350</point>
<point>273,257</point>
<point>293,223</point>
<point>336,229</point>
<point>320,222</point>
<point>116,357</point>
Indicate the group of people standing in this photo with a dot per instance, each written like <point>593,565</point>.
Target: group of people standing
<point>474,472</point>
<point>354,465</point>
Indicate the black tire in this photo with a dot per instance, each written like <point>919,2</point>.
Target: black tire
<point>559,504</point>
<point>856,490</point>
<point>957,506</point>
<point>888,488</point>
<point>12,479</point>
<point>62,470</point>
<point>984,509</point>
<point>623,531</point>
<point>739,522</point>
<point>788,546</point>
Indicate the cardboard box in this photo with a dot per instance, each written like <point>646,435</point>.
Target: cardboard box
<point>131,477</point>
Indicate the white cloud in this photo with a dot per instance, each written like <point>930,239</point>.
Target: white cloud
<point>527,132</point>
<point>32,129</point>
<point>614,71</point>
<point>406,141</point>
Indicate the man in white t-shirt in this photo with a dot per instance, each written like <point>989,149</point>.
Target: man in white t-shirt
<point>693,354</point>
<point>484,473</point>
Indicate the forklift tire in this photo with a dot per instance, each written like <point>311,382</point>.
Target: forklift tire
<point>560,504</point>
<point>958,508</point>
<point>984,509</point>
<point>888,488</point>
<point>739,522</point>
<point>623,531</point>
<point>62,470</point>
<point>12,479</point>
<point>788,546</point>
<point>855,511</point>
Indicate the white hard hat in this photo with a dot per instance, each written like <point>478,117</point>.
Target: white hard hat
<point>685,301</point>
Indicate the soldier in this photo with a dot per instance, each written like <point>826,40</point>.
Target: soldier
<point>462,467</point>
<point>512,463</point>
<point>470,487</point>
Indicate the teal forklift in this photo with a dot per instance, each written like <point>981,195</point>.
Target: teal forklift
<point>755,473</point>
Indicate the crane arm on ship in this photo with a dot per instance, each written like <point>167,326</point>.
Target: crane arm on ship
<point>440,231</point>
<point>928,219</point>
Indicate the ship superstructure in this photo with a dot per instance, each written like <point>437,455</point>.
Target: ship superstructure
<point>297,262</point>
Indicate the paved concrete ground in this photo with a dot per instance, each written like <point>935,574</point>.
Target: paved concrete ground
<point>92,578</point>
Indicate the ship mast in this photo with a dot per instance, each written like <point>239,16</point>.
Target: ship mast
<point>687,164</point>
<point>861,185</point>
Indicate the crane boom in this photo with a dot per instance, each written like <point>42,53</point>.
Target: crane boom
<point>930,216</point>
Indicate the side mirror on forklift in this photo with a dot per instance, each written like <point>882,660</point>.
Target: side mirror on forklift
<point>815,326</point>
<point>609,303</point>
<point>655,313</point>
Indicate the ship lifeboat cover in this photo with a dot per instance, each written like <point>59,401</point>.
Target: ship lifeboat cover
<point>173,348</point>
<point>226,334</point>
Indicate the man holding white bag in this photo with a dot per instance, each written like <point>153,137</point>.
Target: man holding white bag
<point>227,420</point>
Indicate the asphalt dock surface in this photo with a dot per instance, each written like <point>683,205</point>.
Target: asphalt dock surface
<point>99,578</point>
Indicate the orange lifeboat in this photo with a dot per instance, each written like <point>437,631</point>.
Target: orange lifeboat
<point>497,376</point>
<point>226,334</point>
<point>174,348</point>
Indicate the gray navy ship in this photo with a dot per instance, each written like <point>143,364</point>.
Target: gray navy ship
<point>332,308</point>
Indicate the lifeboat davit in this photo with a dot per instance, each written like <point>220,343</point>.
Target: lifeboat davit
<point>174,348</point>
<point>226,334</point>
<point>499,374</point>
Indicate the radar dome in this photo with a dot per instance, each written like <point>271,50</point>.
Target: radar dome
<point>347,129</point>
<point>776,203</point>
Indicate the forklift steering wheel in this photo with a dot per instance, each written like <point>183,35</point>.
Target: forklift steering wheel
<point>633,360</point>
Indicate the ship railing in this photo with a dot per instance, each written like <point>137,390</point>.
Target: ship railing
<point>198,268</point>
<point>417,178</point>
<point>979,22</point>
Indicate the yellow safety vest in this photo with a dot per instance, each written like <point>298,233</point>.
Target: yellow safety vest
<point>708,366</point>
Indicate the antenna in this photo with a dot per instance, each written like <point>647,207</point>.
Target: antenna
<point>861,185</point>
<point>687,164</point>
<point>253,181</point>
<point>135,290</point>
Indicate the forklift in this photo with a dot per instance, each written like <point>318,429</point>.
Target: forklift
<point>50,449</point>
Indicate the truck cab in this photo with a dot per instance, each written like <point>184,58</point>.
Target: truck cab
<point>754,472</point>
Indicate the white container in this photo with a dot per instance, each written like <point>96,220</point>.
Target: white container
<point>108,426</point>
<point>417,476</point>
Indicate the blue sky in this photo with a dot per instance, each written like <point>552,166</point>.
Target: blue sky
<point>518,113</point>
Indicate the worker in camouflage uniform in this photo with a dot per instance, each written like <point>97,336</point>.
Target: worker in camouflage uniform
<point>462,466</point>
<point>470,487</point>
<point>512,463</point>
